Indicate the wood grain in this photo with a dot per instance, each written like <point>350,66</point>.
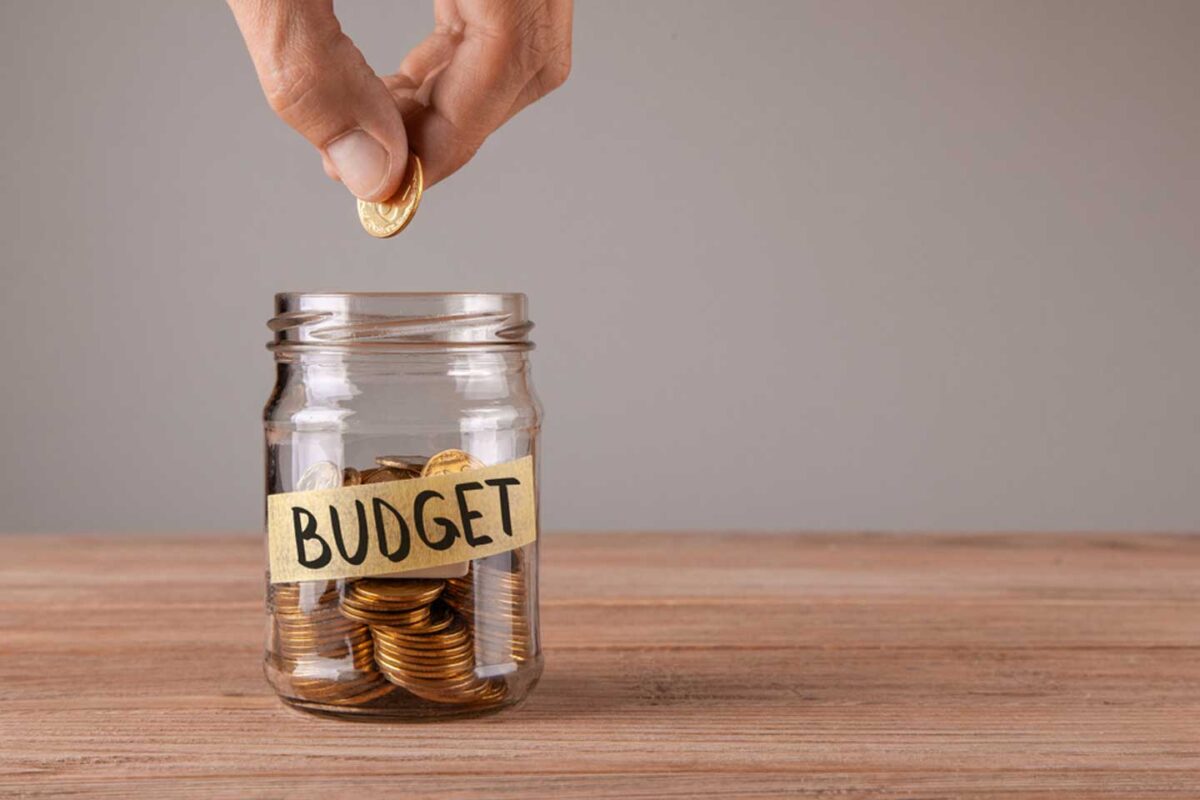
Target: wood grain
<point>893,666</point>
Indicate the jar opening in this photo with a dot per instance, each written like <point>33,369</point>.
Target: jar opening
<point>306,320</point>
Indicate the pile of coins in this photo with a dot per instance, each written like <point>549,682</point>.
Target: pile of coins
<point>392,637</point>
<point>494,603</point>
<point>435,662</point>
<point>391,468</point>
<point>390,604</point>
<point>310,635</point>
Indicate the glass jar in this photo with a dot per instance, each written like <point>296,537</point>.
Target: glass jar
<point>377,396</point>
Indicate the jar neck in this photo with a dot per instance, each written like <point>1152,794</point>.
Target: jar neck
<point>399,362</point>
<point>339,389</point>
<point>357,326</point>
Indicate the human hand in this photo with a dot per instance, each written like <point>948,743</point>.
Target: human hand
<point>484,62</point>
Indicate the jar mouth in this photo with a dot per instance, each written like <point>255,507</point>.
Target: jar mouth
<point>307,320</point>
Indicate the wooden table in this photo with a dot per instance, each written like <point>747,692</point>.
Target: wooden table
<point>680,665</point>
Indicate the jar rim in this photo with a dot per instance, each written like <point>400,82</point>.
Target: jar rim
<point>400,295</point>
<point>422,320</point>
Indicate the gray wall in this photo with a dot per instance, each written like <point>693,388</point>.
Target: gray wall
<point>794,265</point>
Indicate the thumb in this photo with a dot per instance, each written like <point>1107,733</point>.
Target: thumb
<point>318,82</point>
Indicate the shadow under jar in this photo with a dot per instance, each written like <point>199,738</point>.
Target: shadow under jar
<point>369,387</point>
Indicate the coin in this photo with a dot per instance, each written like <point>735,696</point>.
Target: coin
<point>406,594</point>
<point>450,461</point>
<point>355,691</point>
<point>402,462</point>
<point>388,218</point>
<point>321,475</point>
<point>377,617</point>
<point>302,599</point>
<point>385,474</point>
<point>351,477</point>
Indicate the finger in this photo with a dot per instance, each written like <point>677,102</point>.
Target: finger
<point>425,61</point>
<point>497,49</point>
<point>412,86</point>
<point>318,82</point>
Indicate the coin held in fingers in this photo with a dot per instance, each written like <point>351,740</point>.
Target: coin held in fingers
<point>388,218</point>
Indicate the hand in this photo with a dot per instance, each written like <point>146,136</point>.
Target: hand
<point>484,62</point>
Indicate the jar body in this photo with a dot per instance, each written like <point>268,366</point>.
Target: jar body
<point>464,638</point>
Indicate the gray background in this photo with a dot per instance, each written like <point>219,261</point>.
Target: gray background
<point>794,265</point>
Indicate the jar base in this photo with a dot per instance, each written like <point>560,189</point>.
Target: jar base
<point>400,706</point>
<point>401,715</point>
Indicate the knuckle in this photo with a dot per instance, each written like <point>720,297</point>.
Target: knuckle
<point>532,38</point>
<point>558,69</point>
<point>288,89</point>
<point>537,37</point>
<point>295,75</point>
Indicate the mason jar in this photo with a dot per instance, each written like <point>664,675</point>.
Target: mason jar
<point>401,472</point>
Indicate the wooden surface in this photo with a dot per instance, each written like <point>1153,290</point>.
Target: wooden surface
<point>677,666</point>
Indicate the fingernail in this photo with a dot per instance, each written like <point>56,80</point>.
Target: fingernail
<point>361,162</point>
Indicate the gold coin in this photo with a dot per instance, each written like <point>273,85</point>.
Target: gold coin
<point>388,218</point>
<point>409,473</point>
<point>298,623</point>
<point>440,618</point>
<point>342,692</point>
<point>333,699</point>
<point>295,613</point>
<point>306,639</point>
<point>383,689</point>
<point>417,656</point>
<point>450,461</point>
<point>397,618</point>
<point>402,462</point>
<point>293,638</point>
<point>416,639</point>
<point>406,593</point>
<point>313,591</point>
<point>351,477</point>
<point>317,618</point>
<point>295,645</point>
<point>295,664</point>
<point>449,666</point>
<point>385,474</point>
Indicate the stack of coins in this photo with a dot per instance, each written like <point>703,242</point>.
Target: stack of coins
<point>326,657</point>
<point>390,603</point>
<point>419,644</point>
<point>494,603</point>
<point>435,661</point>
<point>386,471</point>
<point>410,465</point>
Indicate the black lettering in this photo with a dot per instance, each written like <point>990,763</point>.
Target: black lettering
<point>467,514</point>
<point>401,551</point>
<point>364,535</point>
<point>308,531</point>
<point>419,520</point>
<point>505,513</point>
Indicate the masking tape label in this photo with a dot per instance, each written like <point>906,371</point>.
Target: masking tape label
<point>398,526</point>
